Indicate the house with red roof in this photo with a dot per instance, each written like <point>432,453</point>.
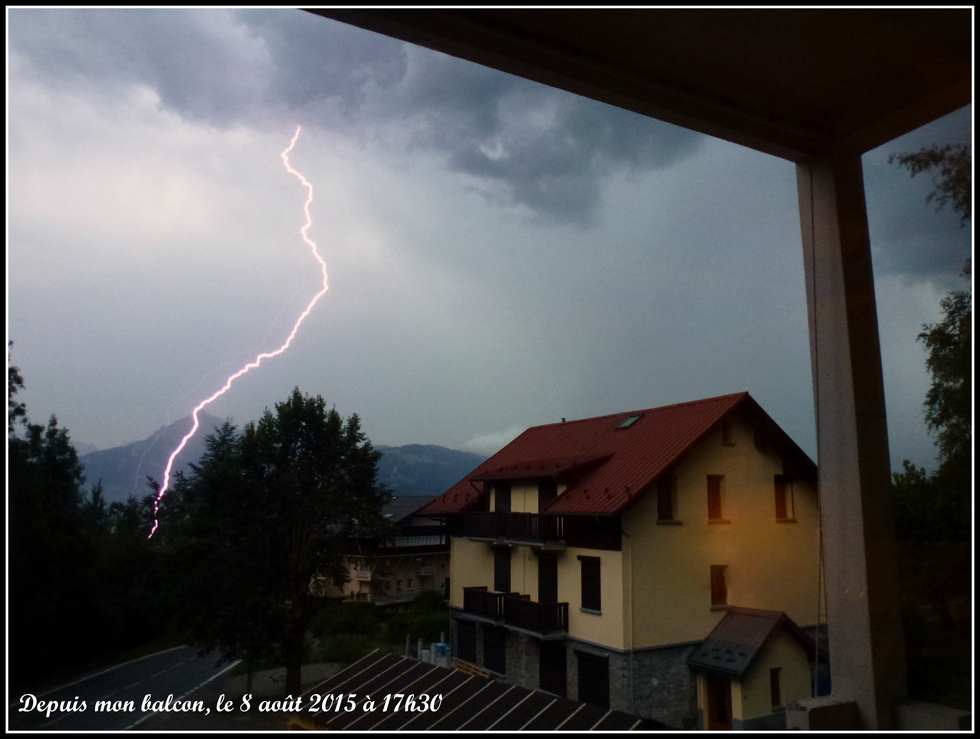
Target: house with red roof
<point>591,558</point>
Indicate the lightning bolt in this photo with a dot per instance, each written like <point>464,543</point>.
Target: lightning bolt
<point>266,355</point>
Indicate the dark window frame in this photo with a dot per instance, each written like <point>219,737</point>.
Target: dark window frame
<point>667,497</point>
<point>591,571</point>
<point>547,492</point>
<point>593,681</point>
<point>502,497</point>
<point>716,499</point>
<point>466,641</point>
<point>719,586</point>
<point>495,649</point>
<point>502,569</point>
<point>783,490</point>
<point>775,695</point>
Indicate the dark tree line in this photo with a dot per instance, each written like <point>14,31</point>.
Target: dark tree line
<point>79,571</point>
<point>241,537</point>
<point>936,507</point>
<point>934,516</point>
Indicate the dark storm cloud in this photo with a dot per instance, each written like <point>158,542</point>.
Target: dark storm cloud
<point>521,143</point>
<point>529,144</point>
<point>909,236</point>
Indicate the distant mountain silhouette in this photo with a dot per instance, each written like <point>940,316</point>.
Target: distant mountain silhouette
<point>414,469</point>
<point>82,448</point>
<point>424,469</point>
<point>123,469</point>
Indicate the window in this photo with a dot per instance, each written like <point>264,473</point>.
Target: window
<point>719,585</point>
<point>784,498</point>
<point>666,497</point>
<point>501,569</point>
<point>593,679</point>
<point>591,584</point>
<point>466,641</point>
<point>547,492</point>
<point>630,420</point>
<point>547,578</point>
<point>714,497</point>
<point>502,497</point>
<point>774,687</point>
<point>495,649</point>
<point>553,667</point>
<point>726,433</point>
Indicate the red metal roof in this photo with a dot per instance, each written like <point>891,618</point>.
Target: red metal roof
<point>606,467</point>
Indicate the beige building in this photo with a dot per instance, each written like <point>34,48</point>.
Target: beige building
<point>396,569</point>
<point>591,558</point>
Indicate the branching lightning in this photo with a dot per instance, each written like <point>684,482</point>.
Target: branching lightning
<point>266,355</point>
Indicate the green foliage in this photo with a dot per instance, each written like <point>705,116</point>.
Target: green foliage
<point>949,400</point>
<point>955,184</point>
<point>937,507</point>
<point>265,512</point>
<point>933,511</point>
<point>342,648</point>
<point>16,412</point>
<point>927,510</point>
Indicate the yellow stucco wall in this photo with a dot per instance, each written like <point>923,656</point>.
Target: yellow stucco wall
<point>523,497</point>
<point>470,566</point>
<point>605,629</point>
<point>770,565</point>
<point>752,698</point>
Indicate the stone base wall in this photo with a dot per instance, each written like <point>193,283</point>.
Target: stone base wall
<point>664,687</point>
<point>654,683</point>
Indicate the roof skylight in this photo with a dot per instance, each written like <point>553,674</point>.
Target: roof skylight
<point>630,420</point>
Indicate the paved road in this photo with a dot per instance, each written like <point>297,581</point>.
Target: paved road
<point>174,673</point>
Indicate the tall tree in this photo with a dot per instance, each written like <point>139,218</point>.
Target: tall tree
<point>263,514</point>
<point>949,401</point>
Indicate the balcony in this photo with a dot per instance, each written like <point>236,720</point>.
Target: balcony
<point>517,611</point>
<point>528,528</point>
<point>543,619</point>
<point>486,603</point>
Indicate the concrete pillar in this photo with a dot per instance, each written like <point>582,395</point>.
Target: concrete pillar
<point>867,651</point>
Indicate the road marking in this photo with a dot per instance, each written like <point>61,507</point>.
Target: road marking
<point>217,674</point>
<point>89,677</point>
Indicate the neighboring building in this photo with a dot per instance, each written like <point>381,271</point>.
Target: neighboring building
<point>397,569</point>
<point>590,558</point>
<point>749,668</point>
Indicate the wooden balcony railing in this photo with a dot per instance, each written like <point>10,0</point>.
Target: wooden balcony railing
<point>525,527</point>
<point>516,610</point>
<point>539,618</point>
<point>486,603</point>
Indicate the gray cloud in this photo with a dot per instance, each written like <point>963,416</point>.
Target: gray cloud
<point>908,236</point>
<point>519,143</point>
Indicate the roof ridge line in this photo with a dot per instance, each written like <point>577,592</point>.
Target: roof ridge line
<point>642,410</point>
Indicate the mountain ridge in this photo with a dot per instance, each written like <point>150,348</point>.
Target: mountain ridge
<point>412,469</point>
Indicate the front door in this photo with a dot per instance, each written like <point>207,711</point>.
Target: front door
<point>719,702</point>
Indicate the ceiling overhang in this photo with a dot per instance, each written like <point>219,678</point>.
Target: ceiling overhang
<point>786,82</point>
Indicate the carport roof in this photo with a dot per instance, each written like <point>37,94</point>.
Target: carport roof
<point>469,702</point>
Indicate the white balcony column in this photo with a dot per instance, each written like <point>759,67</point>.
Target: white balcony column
<point>867,651</point>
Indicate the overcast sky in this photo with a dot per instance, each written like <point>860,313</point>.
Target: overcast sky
<point>501,254</point>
